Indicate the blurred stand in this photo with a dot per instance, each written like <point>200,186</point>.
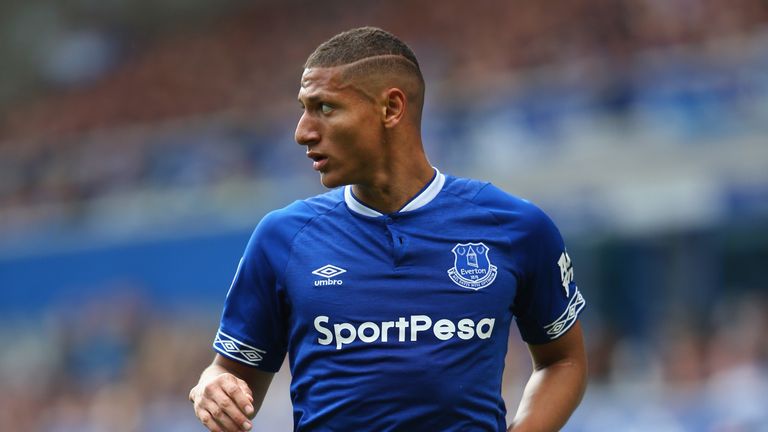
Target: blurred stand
<point>140,143</point>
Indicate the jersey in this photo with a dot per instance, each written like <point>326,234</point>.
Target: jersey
<point>398,322</point>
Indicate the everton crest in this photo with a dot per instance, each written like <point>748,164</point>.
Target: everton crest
<point>472,268</point>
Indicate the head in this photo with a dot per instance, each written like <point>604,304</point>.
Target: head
<point>362,95</point>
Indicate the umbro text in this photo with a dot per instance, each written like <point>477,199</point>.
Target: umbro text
<point>328,282</point>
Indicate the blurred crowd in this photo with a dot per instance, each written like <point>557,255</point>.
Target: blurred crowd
<point>710,374</point>
<point>213,103</point>
<point>54,186</point>
<point>109,365</point>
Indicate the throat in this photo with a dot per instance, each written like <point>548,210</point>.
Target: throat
<point>393,196</point>
<point>382,200</point>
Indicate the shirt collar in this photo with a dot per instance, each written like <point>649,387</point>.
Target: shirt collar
<point>424,197</point>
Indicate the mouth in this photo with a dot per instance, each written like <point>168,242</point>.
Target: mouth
<point>319,160</point>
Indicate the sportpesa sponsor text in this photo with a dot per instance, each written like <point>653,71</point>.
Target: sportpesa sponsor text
<point>404,328</point>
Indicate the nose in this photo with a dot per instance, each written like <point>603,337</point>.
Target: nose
<point>307,132</point>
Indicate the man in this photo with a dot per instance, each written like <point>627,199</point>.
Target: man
<point>393,295</point>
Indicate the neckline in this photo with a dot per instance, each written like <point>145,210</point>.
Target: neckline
<point>422,198</point>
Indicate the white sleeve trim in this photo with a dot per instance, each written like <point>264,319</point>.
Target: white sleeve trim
<point>568,317</point>
<point>237,350</point>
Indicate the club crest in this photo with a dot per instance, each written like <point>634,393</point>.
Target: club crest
<point>472,268</point>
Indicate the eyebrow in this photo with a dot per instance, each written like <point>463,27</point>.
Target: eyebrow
<point>312,98</point>
<point>318,96</point>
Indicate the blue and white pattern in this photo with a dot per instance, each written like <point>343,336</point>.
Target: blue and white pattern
<point>240,351</point>
<point>569,316</point>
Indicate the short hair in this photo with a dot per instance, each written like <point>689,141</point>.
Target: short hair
<point>358,44</point>
<point>382,50</point>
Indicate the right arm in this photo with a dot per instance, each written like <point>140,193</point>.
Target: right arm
<point>229,394</point>
<point>252,338</point>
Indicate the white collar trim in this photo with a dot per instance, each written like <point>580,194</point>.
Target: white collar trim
<point>425,197</point>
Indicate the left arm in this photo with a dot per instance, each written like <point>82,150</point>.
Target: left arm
<point>556,385</point>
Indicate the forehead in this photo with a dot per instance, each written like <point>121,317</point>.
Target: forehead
<point>317,81</point>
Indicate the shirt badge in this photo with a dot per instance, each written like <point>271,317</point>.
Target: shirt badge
<point>472,269</point>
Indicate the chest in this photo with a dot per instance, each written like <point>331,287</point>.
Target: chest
<point>380,270</point>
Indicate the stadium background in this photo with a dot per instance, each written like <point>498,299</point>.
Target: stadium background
<point>141,141</point>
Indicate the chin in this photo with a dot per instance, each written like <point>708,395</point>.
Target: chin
<point>331,181</point>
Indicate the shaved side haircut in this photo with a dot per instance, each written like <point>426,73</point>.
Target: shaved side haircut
<point>371,53</point>
<point>357,44</point>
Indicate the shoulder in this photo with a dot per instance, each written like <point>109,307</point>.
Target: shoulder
<point>504,206</point>
<point>284,223</point>
<point>324,203</point>
<point>272,241</point>
<point>463,188</point>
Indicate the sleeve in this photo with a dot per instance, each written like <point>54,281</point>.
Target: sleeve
<point>253,324</point>
<point>547,302</point>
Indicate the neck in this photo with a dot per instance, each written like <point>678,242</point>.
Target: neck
<point>393,187</point>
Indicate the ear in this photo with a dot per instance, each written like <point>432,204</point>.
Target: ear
<point>393,108</point>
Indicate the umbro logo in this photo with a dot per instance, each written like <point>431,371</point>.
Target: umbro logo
<point>329,272</point>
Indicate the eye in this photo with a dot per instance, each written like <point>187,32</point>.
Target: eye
<point>325,108</point>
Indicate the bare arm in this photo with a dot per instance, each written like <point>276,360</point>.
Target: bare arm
<point>229,394</point>
<point>556,385</point>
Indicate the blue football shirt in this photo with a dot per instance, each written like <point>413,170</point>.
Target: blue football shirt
<point>398,322</point>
